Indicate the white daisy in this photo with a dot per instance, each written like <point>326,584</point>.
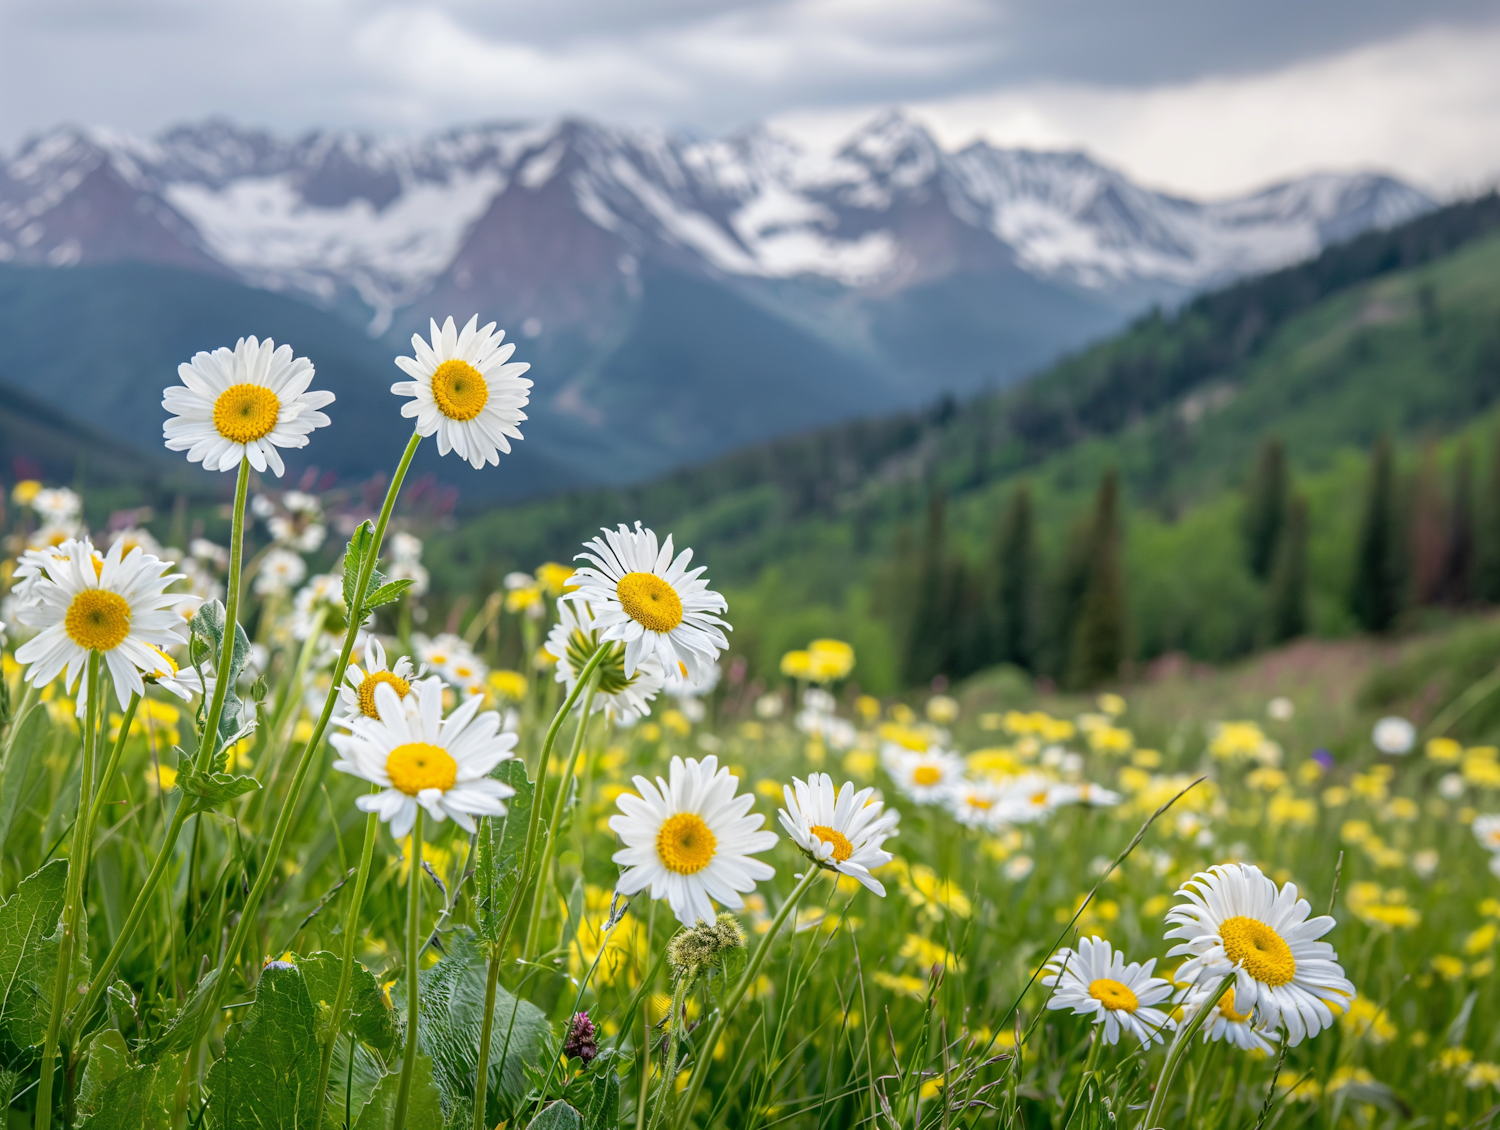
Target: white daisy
<point>842,832</point>
<point>463,390</point>
<point>357,691</point>
<point>1237,1028</point>
<point>690,840</point>
<point>623,698</point>
<point>57,505</point>
<point>978,804</point>
<point>135,538</point>
<point>117,606</point>
<point>924,777</point>
<point>1094,981</point>
<point>243,404</point>
<point>641,595</point>
<point>418,757</point>
<point>438,652</point>
<point>280,571</point>
<point>1096,796</point>
<point>1486,830</point>
<point>1032,797</point>
<point>183,682</point>
<point>1236,922</point>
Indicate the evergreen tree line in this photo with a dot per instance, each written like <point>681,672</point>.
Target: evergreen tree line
<point>1421,541</point>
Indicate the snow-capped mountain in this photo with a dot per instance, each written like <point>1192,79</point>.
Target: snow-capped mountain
<point>677,295</point>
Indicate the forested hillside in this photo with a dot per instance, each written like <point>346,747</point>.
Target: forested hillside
<point>903,533</point>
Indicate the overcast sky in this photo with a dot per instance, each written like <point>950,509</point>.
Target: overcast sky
<point>1199,96</point>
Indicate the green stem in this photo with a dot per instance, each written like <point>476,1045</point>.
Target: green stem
<point>665,1091</point>
<point>1093,1061</point>
<point>294,794</point>
<point>109,770</point>
<point>210,735</point>
<point>1175,1054</point>
<point>290,706</point>
<point>737,994</point>
<point>413,953</point>
<point>549,845</point>
<point>77,867</point>
<point>346,973</point>
<point>28,700</point>
<point>512,912</point>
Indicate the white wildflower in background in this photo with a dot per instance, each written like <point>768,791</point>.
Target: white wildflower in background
<point>841,831</point>
<point>1394,735</point>
<point>465,390</point>
<point>243,404</point>
<point>1095,981</point>
<point>280,571</point>
<point>1235,921</point>
<point>418,757</point>
<point>690,839</point>
<point>624,699</point>
<point>923,777</point>
<point>642,595</point>
<point>57,506</point>
<point>977,804</point>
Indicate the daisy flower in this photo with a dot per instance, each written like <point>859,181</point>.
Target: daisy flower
<point>243,404</point>
<point>57,505</point>
<point>1237,1028</point>
<point>280,570</point>
<point>1235,922</point>
<point>418,757</point>
<point>1032,797</point>
<point>927,777</point>
<point>642,595</point>
<point>439,651</point>
<point>357,692</point>
<point>691,840</point>
<point>623,698</point>
<point>1094,981</point>
<point>841,832</point>
<point>1486,829</point>
<point>117,606</point>
<point>463,390</point>
<point>978,804</point>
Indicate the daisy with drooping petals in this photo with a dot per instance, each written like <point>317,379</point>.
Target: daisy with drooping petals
<point>117,606</point>
<point>574,638</point>
<point>840,831</point>
<point>357,692</point>
<point>926,777</point>
<point>640,594</point>
<point>1237,1028</point>
<point>1094,981</point>
<point>690,840</point>
<point>466,390</point>
<point>1235,922</point>
<point>420,758</point>
<point>243,404</point>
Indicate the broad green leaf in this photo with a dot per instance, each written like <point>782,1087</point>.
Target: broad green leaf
<point>424,1108</point>
<point>179,1033</point>
<point>31,737</point>
<point>208,623</point>
<point>558,1116</point>
<point>209,790</point>
<point>354,556</point>
<point>603,1109</point>
<point>497,858</point>
<point>452,996</point>
<point>29,921</point>
<point>354,1085</point>
<point>268,1075</point>
<point>387,593</point>
<point>366,1014</point>
<point>117,1093</point>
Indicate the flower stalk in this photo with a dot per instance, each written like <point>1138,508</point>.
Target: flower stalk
<point>1176,1053</point>
<point>413,953</point>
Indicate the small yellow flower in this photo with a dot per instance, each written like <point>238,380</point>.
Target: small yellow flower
<point>508,686</point>
<point>867,707</point>
<point>676,722</point>
<point>165,778</point>
<point>1111,704</point>
<point>1444,750</point>
<point>1336,797</point>
<point>1448,967</point>
<point>554,578</point>
<point>1111,740</point>
<point>1233,740</point>
<point>24,492</point>
<point>1146,759</point>
<point>1365,1018</point>
<point>902,983</point>
<point>860,763</point>
<point>942,710</point>
<point>1481,939</point>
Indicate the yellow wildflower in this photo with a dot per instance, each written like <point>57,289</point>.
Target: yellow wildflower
<point>1444,750</point>
<point>509,686</point>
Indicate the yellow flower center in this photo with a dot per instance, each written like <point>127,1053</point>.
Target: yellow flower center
<point>98,619</point>
<point>650,601</point>
<point>685,844</point>
<point>842,848</point>
<point>1113,995</point>
<point>244,413</point>
<point>167,667</point>
<point>418,765</point>
<point>1262,952</point>
<point>367,690</point>
<point>983,803</point>
<point>460,390</point>
<point>1226,1009</point>
<point>926,775</point>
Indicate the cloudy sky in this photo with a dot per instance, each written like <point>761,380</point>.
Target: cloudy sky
<point>1204,98</point>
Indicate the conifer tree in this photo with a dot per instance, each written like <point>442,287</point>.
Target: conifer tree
<point>1013,583</point>
<point>1458,558</point>
<point>1487,533</point>
<point>1429,534</point>
<point>1286,598</point>
<point>1098,646</point>
<point>1375,596</point>
<point>931,627</point>
<point>1265,507</point>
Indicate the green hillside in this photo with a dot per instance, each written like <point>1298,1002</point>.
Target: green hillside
<point>1395,332</point>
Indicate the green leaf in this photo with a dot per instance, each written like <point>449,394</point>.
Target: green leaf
<point>424,1108</point>
<point>31,736</point>
<point>558,1116</point>
<point>29,921</point>
<point>119,1094</point>
<point>208,623</point>
<point>355,1087</point>
<point>180,1031</point>
<point>354,557</point>
<point>603,1109</point>
<point>502,842</point>
<point>387,593</point>
<point>268,1074</point>
<point>452,996</point>
<point>209,790</point>
<point>366,1014</point>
